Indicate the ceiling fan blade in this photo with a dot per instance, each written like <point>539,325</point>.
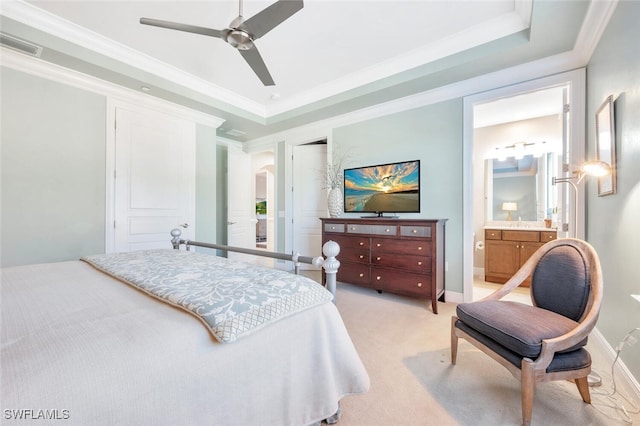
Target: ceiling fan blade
<point>269,18</point>
<point>253,58</point>
<point>182,27</point>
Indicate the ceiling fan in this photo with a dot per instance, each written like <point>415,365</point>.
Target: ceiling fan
<point>241,34</point>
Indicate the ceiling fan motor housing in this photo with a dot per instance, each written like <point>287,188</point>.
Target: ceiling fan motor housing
<point>239,39</point>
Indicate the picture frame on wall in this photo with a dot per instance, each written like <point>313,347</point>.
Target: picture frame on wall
<point>606,145</point>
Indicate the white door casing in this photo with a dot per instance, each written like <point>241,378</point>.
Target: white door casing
<point>309,199</point>
<point>154,188</point>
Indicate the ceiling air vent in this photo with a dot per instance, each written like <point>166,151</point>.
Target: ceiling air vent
<point>20,45</point>
<point>236,132</point>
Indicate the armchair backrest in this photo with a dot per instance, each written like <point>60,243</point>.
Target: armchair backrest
<point>563,279</point>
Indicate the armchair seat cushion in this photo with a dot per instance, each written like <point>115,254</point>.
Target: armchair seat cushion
<point>518,327</point>
<point>565,361</point>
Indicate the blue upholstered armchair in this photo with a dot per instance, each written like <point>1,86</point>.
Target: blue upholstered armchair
<point>545,341</point>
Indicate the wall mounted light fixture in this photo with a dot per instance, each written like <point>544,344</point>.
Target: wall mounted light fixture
<point>589,168</point>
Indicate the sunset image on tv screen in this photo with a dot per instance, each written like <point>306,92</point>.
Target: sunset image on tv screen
<point>384,188</point>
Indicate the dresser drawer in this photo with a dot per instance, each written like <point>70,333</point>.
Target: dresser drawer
<point>401,282</point>
<point>356,228</point>
<point>415,231</point>
<point>411,247</point>
<point>354,273</point>
<point>355,255</point>
<point>334,227</point>
<point>416,263</point>
<point>352,241</point>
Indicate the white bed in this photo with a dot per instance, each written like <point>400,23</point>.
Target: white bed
<point>80,345</point>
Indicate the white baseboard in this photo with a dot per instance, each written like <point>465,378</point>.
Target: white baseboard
<point>453,297</point>
<point>478,272</point>
<point>622,373</point>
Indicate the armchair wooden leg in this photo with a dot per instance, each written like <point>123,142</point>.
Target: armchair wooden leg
<point>454,340</point>
<point>528,384</point>
<point>583,387</point>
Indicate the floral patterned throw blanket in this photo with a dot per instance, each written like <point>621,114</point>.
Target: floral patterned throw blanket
<point>232,298</point>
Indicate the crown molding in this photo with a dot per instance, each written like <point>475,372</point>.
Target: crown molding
<point>545,67</point>
<point>35,17</point>
<point>595,22</point>
<point>31,65</point>
<point>505,25</point>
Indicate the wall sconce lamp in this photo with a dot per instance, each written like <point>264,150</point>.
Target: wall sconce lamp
<point>592,168</point>
<point>509,207</point>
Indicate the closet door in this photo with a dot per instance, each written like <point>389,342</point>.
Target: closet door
<point>154,179</point>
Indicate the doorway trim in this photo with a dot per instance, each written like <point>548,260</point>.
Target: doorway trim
<point>576,79</point>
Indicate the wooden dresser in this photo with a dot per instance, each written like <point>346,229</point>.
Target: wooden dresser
<point>403,256</point>
<point>506,250</point>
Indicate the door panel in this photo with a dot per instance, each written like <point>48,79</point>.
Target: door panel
<point>154,179</point>
<point>309,199</point>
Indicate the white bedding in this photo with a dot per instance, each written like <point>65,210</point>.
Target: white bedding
<point>83,345</point>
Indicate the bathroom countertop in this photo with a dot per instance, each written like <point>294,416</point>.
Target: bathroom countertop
<point>520,228</point>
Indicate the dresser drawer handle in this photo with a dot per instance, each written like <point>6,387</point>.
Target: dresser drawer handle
<point>353,228</point>
<point>419,263</point>
<point>333,227</point>
<point>378,245</point>
<point>378,258</point>
<point>362,256</point>
<point>378,278</point>
<point>419,248</point>
<point>361,243</point>
<point>419,284</point>
<point>387,230</point>
<point>361,274</point>
<point>415,231</point>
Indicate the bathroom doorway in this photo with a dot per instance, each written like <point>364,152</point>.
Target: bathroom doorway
<point>549,110</point>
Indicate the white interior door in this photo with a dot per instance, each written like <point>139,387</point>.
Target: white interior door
<point>241,222</point>
<point>154,179</point>
<point>309,199</point>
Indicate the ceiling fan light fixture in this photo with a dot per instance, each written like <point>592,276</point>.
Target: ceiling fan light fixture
<point>239,39</point>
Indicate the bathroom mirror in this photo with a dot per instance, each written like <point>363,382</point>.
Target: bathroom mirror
<point>521,188</point>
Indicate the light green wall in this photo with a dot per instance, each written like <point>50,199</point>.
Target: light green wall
<point>206,166</point>
<point>53,170</point>
<point>53,163</point>
<point>221,194</point>
<point>281,197</point>
<point>433,135</point>
<point>613,221</point>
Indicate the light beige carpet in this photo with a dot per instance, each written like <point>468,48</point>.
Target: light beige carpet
<point>405,348</point>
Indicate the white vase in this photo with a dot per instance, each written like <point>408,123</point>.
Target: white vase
<point>334,202</point>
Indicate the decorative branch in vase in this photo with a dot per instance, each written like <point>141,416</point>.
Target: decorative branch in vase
<point>333,181</point>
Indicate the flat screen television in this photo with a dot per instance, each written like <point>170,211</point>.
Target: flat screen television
<point>384,188</point>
